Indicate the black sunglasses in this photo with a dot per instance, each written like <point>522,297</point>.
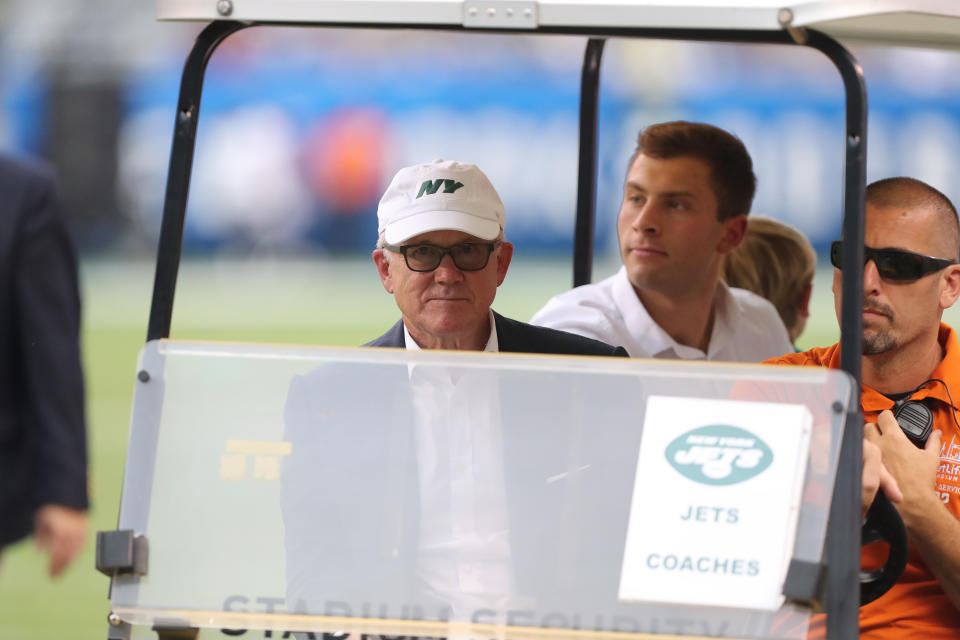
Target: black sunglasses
<point>468,256</point>
<point>894,264</point>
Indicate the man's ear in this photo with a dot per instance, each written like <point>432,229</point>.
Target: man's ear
<point>504,255</point>
<point>949,286</point>
<point>733,231</point>
<point>383,269</point>
<point>804,308</point>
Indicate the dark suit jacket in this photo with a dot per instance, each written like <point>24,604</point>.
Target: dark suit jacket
<point>350,493</point>
<point>42,441</point>
<point>520,337</point>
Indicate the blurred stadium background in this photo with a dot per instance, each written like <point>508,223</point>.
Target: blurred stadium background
<point>300,131</point>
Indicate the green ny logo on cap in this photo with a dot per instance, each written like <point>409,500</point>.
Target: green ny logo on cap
<point>430,187</point>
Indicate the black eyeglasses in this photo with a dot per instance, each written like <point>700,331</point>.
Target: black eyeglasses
<point>894,264</point>
<point>468,256</point>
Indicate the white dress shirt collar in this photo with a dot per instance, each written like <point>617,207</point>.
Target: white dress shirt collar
<point>657,342</point>
<point>493,345</point>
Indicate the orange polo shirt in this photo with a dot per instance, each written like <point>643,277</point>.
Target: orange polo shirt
<point>916,606</point>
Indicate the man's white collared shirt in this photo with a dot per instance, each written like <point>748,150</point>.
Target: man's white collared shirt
<point>464,545</point>
<point>746,327</point>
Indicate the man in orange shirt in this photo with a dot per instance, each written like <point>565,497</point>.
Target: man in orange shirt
<point>911,275</point>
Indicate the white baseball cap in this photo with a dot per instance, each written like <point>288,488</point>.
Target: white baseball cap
<point>440,195</point>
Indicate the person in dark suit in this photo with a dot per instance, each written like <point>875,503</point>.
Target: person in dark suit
<point>43,459</point>
<point>449,490</point>
<point>366,488</point>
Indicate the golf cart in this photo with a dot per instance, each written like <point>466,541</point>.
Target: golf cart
<point>238,511</point>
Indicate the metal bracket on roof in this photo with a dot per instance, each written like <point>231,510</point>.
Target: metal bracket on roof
<point>500,14</point>
<point>785,18</point>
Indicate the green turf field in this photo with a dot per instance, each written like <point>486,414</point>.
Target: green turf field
<point>335,302</point>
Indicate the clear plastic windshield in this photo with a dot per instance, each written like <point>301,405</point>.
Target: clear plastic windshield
<point>446,494</point>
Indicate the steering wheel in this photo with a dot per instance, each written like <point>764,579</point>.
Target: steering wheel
<point>883,524</point>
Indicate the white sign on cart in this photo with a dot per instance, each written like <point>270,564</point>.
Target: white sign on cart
<point>715,502</point>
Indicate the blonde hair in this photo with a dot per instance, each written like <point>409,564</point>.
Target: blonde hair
<point>774,261</point>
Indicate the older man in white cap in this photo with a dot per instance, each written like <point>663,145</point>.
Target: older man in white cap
<point>415,484</point>
<point>442,254</point>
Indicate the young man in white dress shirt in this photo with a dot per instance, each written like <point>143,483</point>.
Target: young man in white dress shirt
<point>687,194</point>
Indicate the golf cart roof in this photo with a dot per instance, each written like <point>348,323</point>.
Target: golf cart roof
<point>888,22</point>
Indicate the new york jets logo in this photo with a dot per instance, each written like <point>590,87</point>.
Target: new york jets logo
<point>719,454</point>
<point>430,187</point>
